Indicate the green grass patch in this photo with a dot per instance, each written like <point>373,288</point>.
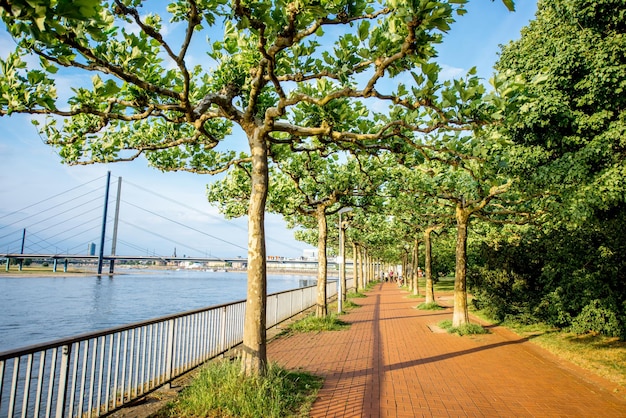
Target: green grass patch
<point>371,285</point>
<point>354,295</point>
<point>220,390</point>
<point>444,284</point>
<point>348,304</point>
<point>431,306</point>
<point>465,329</point>
<point>314,324</point>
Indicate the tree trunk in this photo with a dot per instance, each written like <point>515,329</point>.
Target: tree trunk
<point>254,357</point>
<point>460,315</point>
<point>342,266</point>
<point>428,271</point>
<point>416,264</point>
<point>405,270</point>
<point>322,308</point>
<point>362,267</point>
<point>356,256</point>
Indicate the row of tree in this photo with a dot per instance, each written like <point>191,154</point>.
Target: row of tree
<point>342,106</point>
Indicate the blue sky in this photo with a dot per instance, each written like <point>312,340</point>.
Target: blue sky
<point>31,171</point>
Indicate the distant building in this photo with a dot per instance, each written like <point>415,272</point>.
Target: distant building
<point>275,258</point>
<point>310,254</point>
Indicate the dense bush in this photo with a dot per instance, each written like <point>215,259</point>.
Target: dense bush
<point>566,278</point>
<point>499,293</point>
<point>599,318</point>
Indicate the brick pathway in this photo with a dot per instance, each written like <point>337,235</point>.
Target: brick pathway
<point>391,364</point>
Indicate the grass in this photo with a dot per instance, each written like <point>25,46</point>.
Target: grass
<point>354,295</point>
<point>465,329</point>
<point>370,285</point>
<point>349,304</point>
<point>444,284</point>
<point>431,306</point>
<point>220,390</point>
<point>312,323</point>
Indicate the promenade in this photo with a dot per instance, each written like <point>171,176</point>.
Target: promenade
<point>395,362</point>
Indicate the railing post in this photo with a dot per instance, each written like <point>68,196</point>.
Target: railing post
<point>63,380</point>
<point>223,330</point>
<point>13,396</point>
<point>169,354</point>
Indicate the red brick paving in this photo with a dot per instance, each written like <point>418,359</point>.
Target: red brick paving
<point>390,364</point>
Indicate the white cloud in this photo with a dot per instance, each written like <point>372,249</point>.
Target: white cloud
<point>449,72</point>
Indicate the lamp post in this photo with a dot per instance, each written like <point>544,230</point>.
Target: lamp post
<point>342,262</point>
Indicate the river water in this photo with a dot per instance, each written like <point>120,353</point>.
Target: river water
<point>41,309</point>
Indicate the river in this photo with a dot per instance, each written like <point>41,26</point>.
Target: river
<point>40,309</point>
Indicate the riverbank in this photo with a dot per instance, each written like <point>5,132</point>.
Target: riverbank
<point>39,271</point>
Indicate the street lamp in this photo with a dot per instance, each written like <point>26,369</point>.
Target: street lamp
<point>341,285</point>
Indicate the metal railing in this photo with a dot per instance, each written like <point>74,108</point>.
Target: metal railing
<point>95,373</point>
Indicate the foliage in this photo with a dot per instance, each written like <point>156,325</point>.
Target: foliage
<point>597,317</point>
<point>567,138</point>
<point>571,136</point>
<point>498,292</point>
<point>220,390</point>
<point>443,256</point>
<point>553,276</point>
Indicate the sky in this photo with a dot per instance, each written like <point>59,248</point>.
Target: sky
<point>31,172</point>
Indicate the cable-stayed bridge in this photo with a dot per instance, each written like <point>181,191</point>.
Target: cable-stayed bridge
<point>109,220</point>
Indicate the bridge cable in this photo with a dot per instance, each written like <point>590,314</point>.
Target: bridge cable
<point>200,212</point>
<point>169,239</point>
<point>53,207</point>
<point>51,197</point>
<point>186,226</point>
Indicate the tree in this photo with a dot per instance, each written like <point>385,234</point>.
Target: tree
<point>569,138</point>
<point>464,174</point>
<point>272,74</point>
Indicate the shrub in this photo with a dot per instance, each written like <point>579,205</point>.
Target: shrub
<point>597,317</point>
<point>499,293</point>
<point>552,309</point>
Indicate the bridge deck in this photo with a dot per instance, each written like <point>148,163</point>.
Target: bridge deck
<point>393,362</point>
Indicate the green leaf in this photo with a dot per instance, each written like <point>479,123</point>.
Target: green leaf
<point>510,4</point>
<point>364,30</point>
